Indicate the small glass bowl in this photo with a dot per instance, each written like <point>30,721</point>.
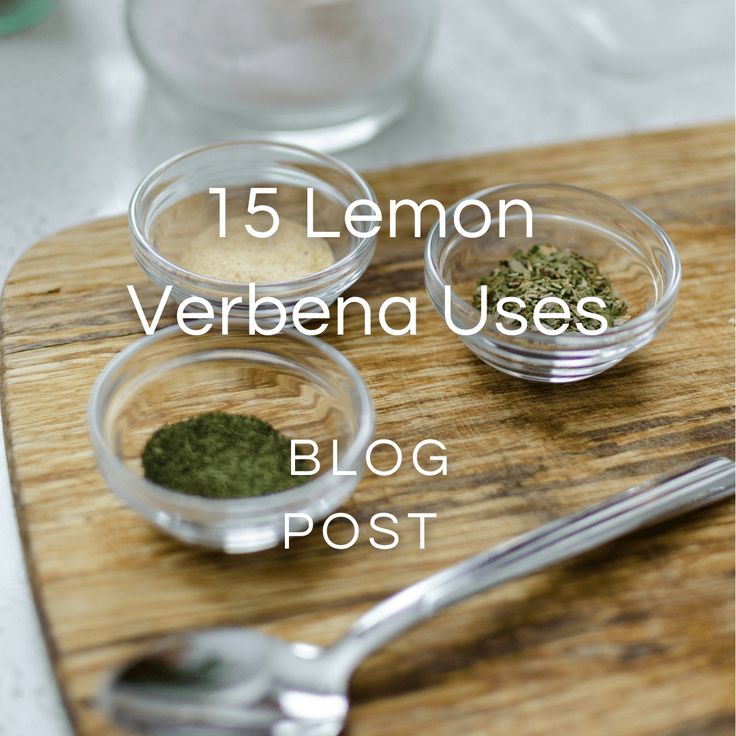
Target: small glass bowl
<point>172,205</point>
<point>300,385</point>
<point>629,247</point>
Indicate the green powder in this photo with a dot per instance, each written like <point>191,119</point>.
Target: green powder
<point>220,455</point>
<point>545,270</point>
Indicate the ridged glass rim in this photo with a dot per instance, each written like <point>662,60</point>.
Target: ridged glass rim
<point>435,284</point>
<point>272,502</point>
<point>163,267</point>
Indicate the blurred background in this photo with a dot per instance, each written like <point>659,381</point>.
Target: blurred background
<point>94,94</point>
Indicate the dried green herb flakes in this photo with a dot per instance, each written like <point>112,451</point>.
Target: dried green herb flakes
<point>220,455</point>
<point>544,270</point>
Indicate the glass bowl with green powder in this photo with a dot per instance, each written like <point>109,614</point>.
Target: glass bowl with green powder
<point>196,223</point>
<point>194,432</point>
<point>583,244</point>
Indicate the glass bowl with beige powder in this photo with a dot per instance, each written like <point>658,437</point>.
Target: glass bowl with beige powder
<point>176,224</point>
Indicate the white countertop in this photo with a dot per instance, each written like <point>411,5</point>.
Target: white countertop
<point>79,127</point>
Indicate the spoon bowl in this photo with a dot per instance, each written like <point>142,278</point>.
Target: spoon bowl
<point>222,682</point>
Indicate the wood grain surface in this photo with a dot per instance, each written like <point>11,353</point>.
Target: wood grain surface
<point>634,639</point>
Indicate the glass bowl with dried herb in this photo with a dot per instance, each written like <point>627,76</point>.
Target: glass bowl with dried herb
<point>616,270</point>
<point>194,432</point>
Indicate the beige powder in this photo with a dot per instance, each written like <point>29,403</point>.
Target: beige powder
<point>286,255</point>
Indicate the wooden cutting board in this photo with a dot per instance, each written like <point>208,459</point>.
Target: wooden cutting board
<point>634,639</point>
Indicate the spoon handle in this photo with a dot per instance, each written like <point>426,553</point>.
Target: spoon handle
<point>688,489</point>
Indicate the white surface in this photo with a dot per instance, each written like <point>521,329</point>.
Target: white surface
<point>79,128</point>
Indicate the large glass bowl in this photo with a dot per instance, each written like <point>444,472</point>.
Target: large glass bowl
<point>328,74</point>
<point>628,246</point>
<point>300,385</point>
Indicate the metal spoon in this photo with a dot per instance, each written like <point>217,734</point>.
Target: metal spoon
<point>224,682</point>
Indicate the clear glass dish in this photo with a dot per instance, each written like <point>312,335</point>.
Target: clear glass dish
<point>328,74</point>
<point>629,247</point>
<point>172,206</point>
<point>300,385</point>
